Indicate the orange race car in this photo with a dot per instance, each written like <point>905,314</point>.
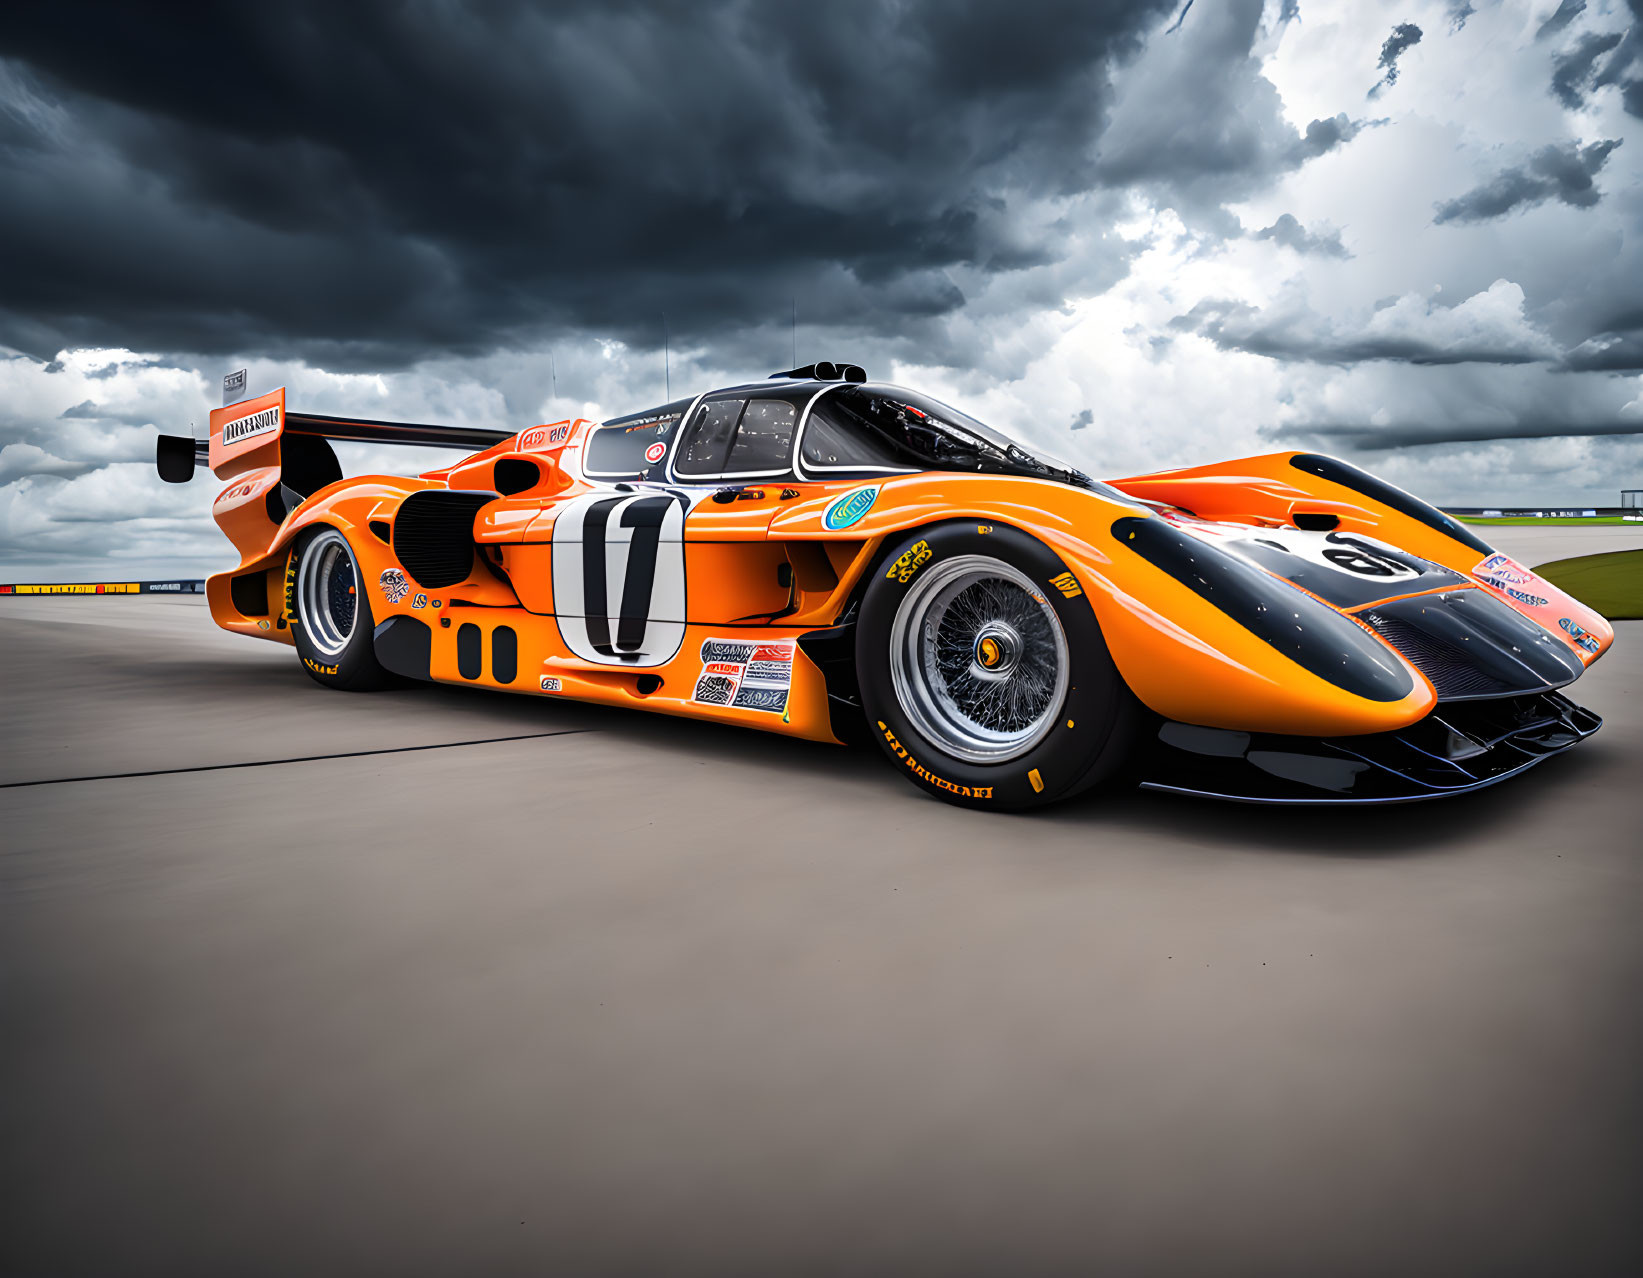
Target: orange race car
<point>833,558</point>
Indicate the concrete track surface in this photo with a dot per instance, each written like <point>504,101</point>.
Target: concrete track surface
<point>639,995</point>
<point>1533,545</point>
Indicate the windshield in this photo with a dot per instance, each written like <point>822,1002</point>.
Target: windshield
<point>895,427</point>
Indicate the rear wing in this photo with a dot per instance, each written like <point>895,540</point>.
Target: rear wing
<point>248,435</point>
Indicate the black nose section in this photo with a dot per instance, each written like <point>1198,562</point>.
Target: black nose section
<point>1470,645</point>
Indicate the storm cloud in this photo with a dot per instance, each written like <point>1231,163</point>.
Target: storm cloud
<point>1566,12</point>
<point>1609,352</point>
<point>364,183</point>
<point>1291,234</point>
<point>1426,434</point>
<point>1564,173</point>
<point>1137,235</point>
<point>1572,71</point>
<point>1405,36</point>
<point>1488,328</point>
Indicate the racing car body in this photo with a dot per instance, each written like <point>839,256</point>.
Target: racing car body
<point>836,559</point>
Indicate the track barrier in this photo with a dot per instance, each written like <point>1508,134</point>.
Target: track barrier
<point>175,587</point>
<point>1542,512</point>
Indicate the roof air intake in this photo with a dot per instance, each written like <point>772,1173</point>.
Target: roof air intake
<point>826,371</point>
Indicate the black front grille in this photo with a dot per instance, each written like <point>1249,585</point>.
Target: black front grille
<point>1452,672</point>
<point>433,535</point>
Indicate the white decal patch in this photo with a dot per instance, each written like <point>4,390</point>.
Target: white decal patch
<point>750,674</point>
<point>544,439</point>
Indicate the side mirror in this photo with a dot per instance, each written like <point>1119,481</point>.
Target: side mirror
<point>174,458</point>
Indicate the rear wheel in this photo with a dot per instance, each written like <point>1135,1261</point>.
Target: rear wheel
<point>332,617</point>
<point>983,671</point>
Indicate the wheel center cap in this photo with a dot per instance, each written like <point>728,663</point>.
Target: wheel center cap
<point>997,649</point>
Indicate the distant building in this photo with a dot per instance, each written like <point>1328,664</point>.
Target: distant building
<point>1632,497</point>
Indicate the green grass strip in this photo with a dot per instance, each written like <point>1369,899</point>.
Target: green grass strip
<point>1611,583</point>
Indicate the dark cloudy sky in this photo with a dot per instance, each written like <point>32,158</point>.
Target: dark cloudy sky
<point>1410,233</point>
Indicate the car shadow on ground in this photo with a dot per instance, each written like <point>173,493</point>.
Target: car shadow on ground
<point>1402,829</point>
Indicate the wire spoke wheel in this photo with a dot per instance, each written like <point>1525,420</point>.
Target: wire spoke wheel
<point>978,659</point>
<point>328,592</point>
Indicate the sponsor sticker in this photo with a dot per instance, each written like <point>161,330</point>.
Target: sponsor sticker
<point>1500,570</point>
<point>910,561</point>
<point>263,624</point>
<point>542,439</point>
<point>421,601</point>
<point>1580,634</point>
<point>551,683</point>
<point>849,508</point>
<point>233,388</point>
<point>656,452</point>
<point>237,493</point>
<point>264,422</point>
<point>749,674</point>
<point>394,586</point>
<point>1067,584</point>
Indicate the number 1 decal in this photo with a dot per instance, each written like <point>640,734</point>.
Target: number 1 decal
<point>619,577</point>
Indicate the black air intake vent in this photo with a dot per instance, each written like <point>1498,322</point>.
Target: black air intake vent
<point>433,535</point>
<point>249,594</point>
<point>1452,672</point>
<point>1470,644</point>
<point>516,475</point>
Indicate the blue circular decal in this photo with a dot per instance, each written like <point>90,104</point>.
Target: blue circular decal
<point>850,508</point>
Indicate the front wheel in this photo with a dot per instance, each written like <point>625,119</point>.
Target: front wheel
<point>332,616</point>
<point>983,672</point>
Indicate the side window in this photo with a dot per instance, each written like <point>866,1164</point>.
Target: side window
<point>706,444</point>
<point>764,439</point>
<point>834,440</point>
<point>628,446</point>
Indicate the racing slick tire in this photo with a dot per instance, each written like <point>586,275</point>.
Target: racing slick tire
<point>983,671</point>
<point>331,615</point>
